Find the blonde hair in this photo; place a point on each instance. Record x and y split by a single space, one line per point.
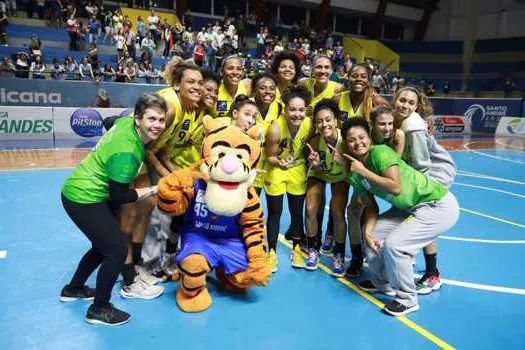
424 107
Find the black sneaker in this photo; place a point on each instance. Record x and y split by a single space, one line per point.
395 308
288 234
69 294
369 287
354 270
106 315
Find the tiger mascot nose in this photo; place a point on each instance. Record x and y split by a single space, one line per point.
230 164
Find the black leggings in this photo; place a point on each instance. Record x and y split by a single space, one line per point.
108 246
275 209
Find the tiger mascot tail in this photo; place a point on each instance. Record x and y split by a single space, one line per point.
223 223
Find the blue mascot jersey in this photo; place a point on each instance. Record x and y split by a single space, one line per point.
199 220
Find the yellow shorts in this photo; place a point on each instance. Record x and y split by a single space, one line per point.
292 181
329 179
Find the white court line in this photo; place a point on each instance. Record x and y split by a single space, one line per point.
3 254
491 156
509 146
486 287
488 177
490 189
476 240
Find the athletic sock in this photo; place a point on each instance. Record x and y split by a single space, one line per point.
128 272
137 253
339 248
312 242
357 252
430 265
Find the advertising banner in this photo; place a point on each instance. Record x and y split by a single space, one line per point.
26 123
449 125
511 127
63 93
81 123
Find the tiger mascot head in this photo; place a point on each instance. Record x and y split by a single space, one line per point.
230 157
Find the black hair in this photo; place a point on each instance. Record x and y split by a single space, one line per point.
327 104
260 76
354 122
209 75
149 100
286 55
296 91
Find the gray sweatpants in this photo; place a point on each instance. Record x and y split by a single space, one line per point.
402 234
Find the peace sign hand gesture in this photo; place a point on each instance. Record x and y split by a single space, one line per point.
336 155
313 157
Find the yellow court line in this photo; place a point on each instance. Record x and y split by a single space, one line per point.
422 331
493 217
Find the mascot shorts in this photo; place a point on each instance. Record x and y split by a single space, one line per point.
228 253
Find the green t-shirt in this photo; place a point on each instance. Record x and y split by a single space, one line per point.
416 187
117 156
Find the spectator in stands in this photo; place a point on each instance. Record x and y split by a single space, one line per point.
117 22
102 99
4 22
34 45
141 29
3 7
188 36
97 71
120 75
261 40
22 65
95 28
124 60
108 27
108 72
72 29
141 74
153 21
339 75
446 88
93 54
38 68
377 81
168 39
30 8
41 8
144 59
210 56
120 43
56 70
509 87
91 10
431 89
82 35
176 50
126 24
148 45
348 62
339 56
71 69
7 69
11 7
131 72
85 69
152 74
130 43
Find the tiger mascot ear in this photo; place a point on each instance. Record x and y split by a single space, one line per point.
256 132
211 124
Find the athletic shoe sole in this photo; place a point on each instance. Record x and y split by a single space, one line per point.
398 314
327 252
128 295
311 268
71 299
94 321
338 275
376 290
426 290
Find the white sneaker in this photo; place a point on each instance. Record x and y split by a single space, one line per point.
146 277
139 289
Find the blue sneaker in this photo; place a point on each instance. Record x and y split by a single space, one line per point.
327 248
313 260
338 265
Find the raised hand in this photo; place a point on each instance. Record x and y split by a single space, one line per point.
336 155
313 157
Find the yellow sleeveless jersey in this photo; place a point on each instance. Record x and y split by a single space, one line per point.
328 92
347 111
181 142
330 171
274 111
173 101
225 100
289 146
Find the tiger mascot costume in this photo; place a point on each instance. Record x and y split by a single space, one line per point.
223 223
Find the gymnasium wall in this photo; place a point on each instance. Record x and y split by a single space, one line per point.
497 19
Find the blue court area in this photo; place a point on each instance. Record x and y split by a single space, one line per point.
480 306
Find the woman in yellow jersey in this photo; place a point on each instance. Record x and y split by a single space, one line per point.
358 101
326 168
211 83
264 88
232 85
287 171
320 86
286 67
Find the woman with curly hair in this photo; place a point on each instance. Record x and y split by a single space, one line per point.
286 67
